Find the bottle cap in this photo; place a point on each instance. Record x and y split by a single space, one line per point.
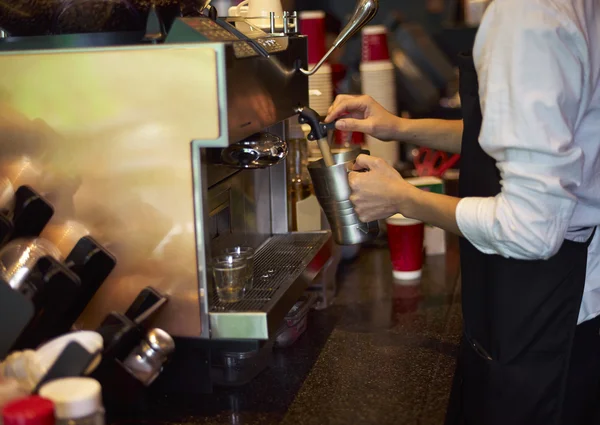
33 410
74 397
161 342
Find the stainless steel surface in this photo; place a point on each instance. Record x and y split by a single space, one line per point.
278 283
146 361
279 191
260 91
7 196
161 343
260 150
18 257
202 4
363 14
333 192
289 21
144 178
94 126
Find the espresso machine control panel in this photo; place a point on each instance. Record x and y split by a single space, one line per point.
247 41
209 29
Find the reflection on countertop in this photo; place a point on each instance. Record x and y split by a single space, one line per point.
384 353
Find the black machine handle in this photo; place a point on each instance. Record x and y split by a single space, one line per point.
318 129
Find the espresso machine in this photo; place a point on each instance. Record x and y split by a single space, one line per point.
167 145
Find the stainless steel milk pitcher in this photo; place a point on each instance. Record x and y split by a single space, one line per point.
333 192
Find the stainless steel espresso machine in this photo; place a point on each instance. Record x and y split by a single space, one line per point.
167 147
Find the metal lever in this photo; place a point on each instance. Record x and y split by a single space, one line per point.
363 14
318 129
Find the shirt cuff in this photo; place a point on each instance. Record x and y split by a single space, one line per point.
475 219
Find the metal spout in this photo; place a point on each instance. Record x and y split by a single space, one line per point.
260 150
363 14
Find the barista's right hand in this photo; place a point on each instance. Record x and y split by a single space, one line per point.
362 114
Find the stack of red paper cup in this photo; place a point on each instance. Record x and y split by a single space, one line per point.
378 80
320 85
348 139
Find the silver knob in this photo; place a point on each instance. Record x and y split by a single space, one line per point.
160 342
146 361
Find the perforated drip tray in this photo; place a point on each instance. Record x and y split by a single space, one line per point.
278 268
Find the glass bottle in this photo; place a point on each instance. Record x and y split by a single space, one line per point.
77 401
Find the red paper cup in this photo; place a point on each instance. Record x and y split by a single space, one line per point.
375 44
312 25
405 238
338 73
348 138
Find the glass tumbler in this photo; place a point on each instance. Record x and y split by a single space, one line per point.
230 275
247 253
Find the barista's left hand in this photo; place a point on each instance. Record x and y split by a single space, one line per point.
379 192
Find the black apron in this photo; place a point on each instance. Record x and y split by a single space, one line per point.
520 317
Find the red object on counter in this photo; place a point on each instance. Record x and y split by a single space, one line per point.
348 138
338 73
322 257
312 25
405 239
33 410
407 298
375 44
429 162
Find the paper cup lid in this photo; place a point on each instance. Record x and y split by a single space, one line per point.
400 220
312 14
374 30
74 397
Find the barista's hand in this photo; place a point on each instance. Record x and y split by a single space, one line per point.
363 115
379 192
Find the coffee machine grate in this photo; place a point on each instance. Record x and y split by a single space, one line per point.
277 265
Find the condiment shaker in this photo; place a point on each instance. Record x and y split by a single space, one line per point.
146 361
77 401
32 410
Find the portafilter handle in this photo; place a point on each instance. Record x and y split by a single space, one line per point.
363 14
318 129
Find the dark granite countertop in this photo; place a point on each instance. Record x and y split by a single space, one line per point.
384 353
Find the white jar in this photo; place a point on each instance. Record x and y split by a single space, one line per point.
77 401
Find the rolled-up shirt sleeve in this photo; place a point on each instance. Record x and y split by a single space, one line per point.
531 77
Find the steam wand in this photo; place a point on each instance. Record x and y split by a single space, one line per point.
318 132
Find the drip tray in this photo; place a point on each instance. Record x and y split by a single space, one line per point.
280 278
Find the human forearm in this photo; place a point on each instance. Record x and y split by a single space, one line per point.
362 114
442 135
431 208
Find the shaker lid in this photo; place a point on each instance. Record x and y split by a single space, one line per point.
32 410
74 397
160 341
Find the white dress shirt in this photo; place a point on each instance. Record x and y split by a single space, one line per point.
538 64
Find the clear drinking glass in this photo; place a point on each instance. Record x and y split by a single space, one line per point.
231 274
247 253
